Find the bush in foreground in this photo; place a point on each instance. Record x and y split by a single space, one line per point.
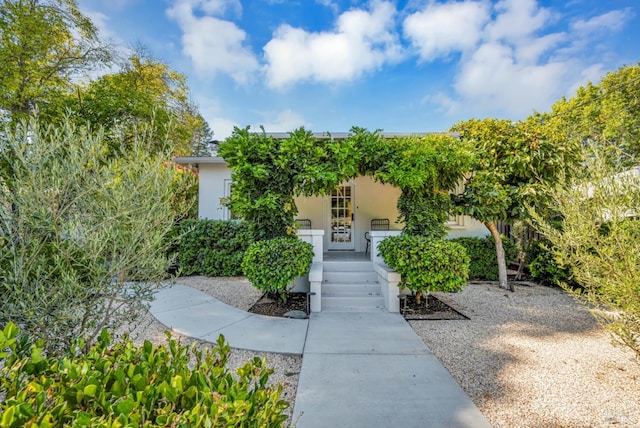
78 223
426 264
599 238
272 265
122 385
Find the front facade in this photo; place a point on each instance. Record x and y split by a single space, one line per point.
344 216
344 228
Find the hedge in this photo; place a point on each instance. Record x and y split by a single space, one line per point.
482 253
212 247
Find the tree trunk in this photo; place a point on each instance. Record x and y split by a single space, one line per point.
521 263
502 264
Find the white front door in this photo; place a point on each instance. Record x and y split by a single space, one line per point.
341 233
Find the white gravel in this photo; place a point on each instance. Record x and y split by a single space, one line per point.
533 358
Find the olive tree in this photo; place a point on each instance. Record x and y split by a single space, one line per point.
599 238
83 237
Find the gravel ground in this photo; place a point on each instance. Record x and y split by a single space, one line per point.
533 358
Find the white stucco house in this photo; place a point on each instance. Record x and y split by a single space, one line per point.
339 226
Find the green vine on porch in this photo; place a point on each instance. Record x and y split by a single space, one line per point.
268 173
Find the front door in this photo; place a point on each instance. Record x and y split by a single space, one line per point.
342 233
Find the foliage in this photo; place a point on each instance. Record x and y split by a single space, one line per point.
146 92
426 264
212 247
606 113
124 385
184 191
425 168
424 213
271 265
268 172
543 266
600 238
482 256
75 226
512 161
43 45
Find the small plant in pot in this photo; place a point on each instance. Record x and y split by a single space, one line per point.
426 264
272 265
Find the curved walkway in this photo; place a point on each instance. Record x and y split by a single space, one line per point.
195 314
366 369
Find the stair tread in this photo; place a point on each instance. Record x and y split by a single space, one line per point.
350 294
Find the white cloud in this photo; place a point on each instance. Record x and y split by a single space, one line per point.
517 20
222 127
361 41
282 121
613 20
442 28
330 4
508 64
493 80
214 45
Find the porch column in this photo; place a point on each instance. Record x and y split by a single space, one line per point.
376 237
314 237
313 281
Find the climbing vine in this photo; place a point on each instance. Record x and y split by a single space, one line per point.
269 172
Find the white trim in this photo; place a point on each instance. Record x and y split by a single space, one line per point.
226 212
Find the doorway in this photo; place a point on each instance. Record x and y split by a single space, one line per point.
342 233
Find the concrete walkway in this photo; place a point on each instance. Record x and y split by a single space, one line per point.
365 369
195 314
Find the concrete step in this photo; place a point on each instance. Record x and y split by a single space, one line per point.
351 309
349 277
352 266
355 304
335 288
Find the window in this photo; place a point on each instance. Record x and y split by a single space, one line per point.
227 214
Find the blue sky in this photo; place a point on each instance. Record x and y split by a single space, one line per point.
399 66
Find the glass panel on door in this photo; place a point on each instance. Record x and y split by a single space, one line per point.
341 236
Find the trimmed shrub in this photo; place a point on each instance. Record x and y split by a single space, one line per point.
426 264
543 266
124 385
482 254
212 247
272 265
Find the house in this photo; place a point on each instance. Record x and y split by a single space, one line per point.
344 221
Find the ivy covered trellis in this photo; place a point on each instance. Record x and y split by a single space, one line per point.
268 173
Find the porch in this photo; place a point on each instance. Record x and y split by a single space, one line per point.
349 281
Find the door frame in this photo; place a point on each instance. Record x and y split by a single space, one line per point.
341 227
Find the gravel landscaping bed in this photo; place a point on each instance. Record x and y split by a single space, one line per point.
533 358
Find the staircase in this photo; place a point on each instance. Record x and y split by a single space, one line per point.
350 286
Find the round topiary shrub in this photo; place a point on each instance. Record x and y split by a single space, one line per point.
273 264
426 264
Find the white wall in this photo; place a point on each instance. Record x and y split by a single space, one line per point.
211 190
469 227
